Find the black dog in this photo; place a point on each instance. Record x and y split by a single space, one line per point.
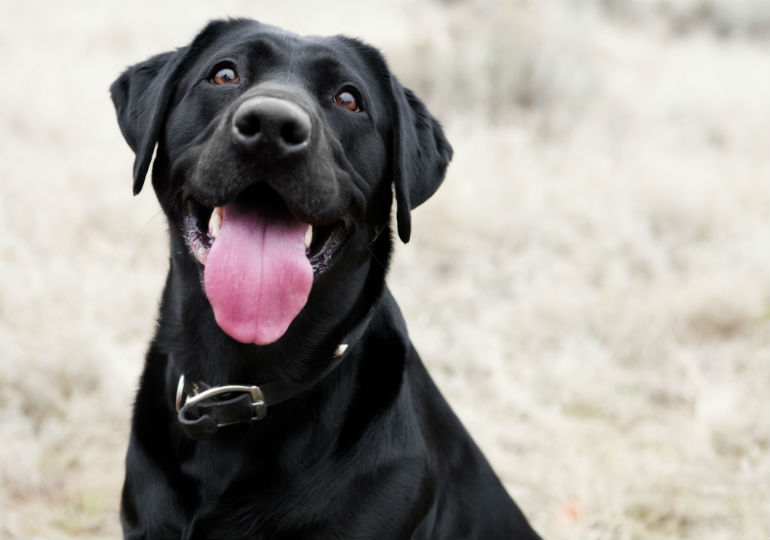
264 140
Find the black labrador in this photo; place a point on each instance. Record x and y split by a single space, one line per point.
281 396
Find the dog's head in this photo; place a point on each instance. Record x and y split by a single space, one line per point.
277 156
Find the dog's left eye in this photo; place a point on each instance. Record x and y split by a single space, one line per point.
225 75
347 98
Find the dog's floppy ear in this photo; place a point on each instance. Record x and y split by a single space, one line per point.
421 154
141 96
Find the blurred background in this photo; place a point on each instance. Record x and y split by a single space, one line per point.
590 288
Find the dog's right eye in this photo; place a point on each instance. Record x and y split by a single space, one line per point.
346 98
225 75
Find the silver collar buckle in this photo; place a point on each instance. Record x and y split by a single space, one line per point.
184 401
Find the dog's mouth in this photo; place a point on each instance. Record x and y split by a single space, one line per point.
202 225
258 262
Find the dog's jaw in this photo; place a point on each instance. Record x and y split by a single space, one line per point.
257 262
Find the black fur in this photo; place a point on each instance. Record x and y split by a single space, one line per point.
372 450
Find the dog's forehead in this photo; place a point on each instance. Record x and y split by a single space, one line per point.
271 46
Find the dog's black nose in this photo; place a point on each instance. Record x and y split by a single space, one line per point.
267 123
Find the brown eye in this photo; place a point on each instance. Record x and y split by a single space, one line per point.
225 76
346 99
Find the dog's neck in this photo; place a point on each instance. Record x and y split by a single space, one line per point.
298 428
204 409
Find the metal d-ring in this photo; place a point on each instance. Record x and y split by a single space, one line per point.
180 393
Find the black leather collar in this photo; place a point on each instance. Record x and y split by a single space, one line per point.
203 409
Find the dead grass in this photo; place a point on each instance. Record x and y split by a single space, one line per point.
589 288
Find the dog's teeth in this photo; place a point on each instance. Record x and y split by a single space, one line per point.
309 236
215 222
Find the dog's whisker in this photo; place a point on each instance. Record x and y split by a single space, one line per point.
143 229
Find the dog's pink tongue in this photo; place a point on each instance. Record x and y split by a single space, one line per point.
257 276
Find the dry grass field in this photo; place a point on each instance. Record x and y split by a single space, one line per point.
590 288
